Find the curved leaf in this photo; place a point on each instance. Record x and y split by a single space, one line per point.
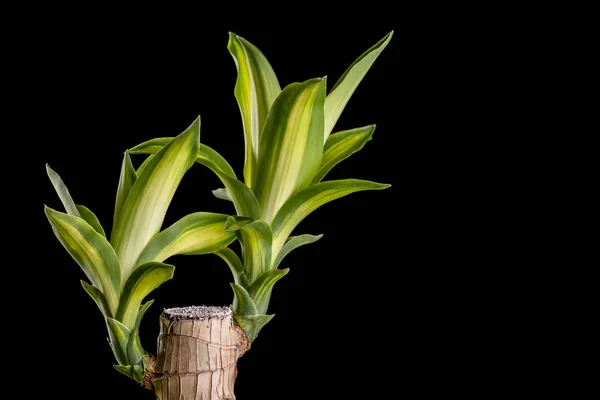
126 180
242 303
255 90
293 243
119 336
235 265
256 238
198 233
344 88
98 297
252 324
142 281
308 200
92 252
62 191
144 164
214 157
89 217
126 370
141 313
342 145
291 145
154 145
144 209
134 347
261 289
242 196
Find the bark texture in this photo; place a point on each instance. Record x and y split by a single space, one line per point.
197 359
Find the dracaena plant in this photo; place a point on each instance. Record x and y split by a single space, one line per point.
289 149
122 271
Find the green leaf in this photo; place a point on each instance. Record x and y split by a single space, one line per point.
144 164
97 295
252 324
242 303
134 347
119 336
92 252
291 145
138 373
126 370
342 145
242 196
154 145
144 209
135 372
293 243
300 205
235 265
141 313
144 280
255 91
211 155
256 238
344 88
261 289
197 233
89 217
222 194
62 191
126 181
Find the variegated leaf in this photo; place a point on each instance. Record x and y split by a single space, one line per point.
306 201
291 145
255 90
144 210
344 88
92 252
197 233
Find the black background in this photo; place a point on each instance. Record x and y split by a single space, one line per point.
376 287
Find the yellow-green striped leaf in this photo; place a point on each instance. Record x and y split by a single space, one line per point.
197 233
92 252
342 145
255 90
89 217
235 265
293 243
70 206
260 290
242 196
252 324
126 180
256 239
142 281
242 303
344 88
144 209
154 145
119 336
62 191
97 295
308 200
291 145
